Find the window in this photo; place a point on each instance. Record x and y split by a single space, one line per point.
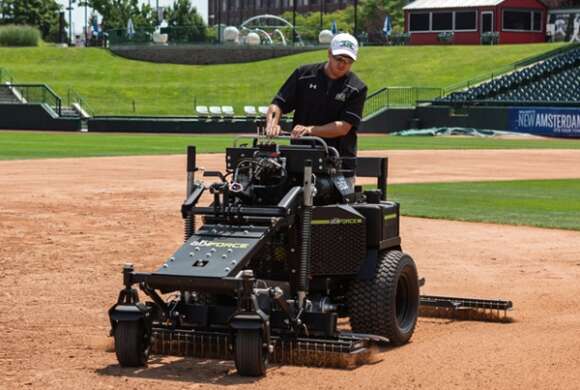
537 21
442 21
419 22
522 20
465 20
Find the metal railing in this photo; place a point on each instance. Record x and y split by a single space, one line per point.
375 102
398 97
507 68
74 97
36 93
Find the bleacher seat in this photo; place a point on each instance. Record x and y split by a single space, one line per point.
263 110
215 112
250 111
228 112
202 111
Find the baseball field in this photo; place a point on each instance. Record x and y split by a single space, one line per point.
490 218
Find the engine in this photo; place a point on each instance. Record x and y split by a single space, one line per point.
264 174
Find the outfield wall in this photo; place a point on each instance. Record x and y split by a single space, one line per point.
34 117
561 122
167 125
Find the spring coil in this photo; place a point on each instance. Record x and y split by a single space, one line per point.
189 226
304 269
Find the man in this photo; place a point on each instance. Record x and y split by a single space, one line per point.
327 100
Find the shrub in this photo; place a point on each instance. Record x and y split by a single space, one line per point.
13 35
445 37
490 38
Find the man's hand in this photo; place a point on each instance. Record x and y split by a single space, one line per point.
299 131
273 130
272 121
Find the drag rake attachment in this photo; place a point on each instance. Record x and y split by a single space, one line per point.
344 353
348 352
467 309
204 345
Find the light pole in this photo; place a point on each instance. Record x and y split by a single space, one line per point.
219 20
69 9
294 22
86 23
355 21
321 13
227 12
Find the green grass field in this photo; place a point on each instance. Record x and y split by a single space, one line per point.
111 84
541 203
29 145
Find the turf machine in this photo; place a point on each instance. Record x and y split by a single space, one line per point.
287 251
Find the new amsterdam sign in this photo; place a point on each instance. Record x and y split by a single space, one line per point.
552 122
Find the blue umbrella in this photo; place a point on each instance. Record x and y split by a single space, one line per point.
333 27
387 26
96 29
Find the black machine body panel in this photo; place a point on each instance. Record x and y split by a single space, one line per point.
382 222
214 252
338 240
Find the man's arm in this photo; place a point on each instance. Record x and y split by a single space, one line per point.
283 102
273 120
329 130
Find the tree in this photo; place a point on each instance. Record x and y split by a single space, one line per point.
308 25
39 13
372 17
116 14
186 24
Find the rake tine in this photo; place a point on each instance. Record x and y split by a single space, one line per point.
465 308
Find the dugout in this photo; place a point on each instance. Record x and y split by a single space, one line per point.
432 22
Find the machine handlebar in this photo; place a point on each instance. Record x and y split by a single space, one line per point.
305 138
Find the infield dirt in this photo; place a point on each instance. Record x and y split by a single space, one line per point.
67 226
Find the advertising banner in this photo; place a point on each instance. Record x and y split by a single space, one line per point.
550 122
564 25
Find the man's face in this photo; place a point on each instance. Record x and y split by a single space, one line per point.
339 65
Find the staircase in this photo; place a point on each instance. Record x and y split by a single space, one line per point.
7 96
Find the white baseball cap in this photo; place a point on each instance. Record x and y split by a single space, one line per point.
344 44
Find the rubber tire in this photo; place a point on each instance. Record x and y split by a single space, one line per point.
131 344
388 304
250 357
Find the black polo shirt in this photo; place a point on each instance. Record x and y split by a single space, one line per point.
316 100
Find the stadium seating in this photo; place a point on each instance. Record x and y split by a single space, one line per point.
228 112
202 111
215 112
250 112
556 79
263 110
7 95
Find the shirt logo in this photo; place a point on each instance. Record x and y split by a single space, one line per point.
341 97
312 86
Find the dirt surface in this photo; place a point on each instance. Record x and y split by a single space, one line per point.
67 226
